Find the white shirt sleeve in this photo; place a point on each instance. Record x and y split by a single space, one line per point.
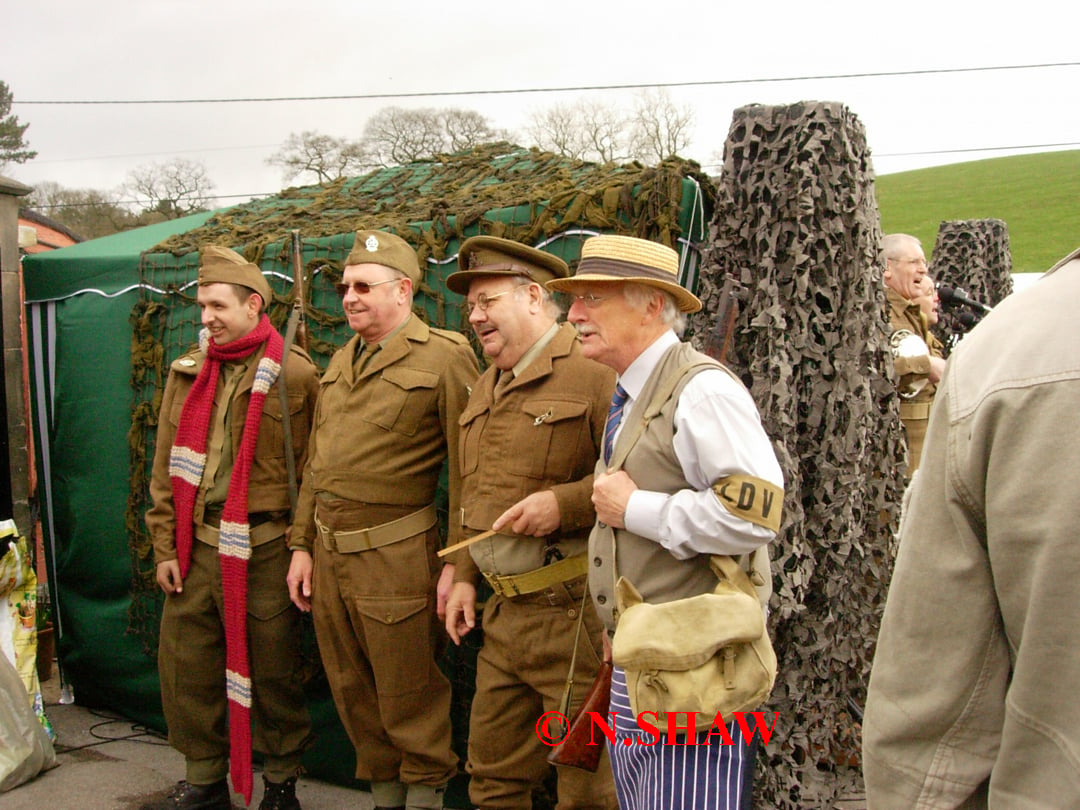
718 433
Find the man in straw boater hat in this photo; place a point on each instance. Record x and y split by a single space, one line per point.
229 642
530 438
366 536
657 493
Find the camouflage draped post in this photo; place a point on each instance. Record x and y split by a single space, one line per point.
972 255
797 224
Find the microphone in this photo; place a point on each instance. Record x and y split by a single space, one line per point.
948 295
968 319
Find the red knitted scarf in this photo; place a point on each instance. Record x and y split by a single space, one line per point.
186 465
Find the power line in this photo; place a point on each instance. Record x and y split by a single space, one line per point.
978 149
951 151
578 89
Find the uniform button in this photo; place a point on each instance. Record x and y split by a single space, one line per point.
601 599
389 618
601 524
597 562
572 613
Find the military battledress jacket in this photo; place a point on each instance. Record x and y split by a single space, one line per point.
268 488
543 432
973 692
381 437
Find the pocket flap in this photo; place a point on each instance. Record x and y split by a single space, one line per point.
554 410
409 378
391 609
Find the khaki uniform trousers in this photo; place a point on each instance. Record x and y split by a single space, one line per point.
191 664
520 674
379 638
915 416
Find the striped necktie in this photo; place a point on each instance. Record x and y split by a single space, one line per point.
614 417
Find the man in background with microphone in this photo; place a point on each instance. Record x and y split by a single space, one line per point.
918 366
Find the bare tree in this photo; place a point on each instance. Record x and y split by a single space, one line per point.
395 136
556 129
660 128
88 212
173 189
583 130
464 129
324 157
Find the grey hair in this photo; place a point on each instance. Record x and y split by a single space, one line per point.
892 244
550 304
639 295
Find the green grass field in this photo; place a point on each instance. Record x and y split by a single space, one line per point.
1037 196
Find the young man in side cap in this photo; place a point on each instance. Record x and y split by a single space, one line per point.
365 538
661 502
229 642
530 437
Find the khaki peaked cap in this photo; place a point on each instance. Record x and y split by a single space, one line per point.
610 259
494 256
219 265
380 247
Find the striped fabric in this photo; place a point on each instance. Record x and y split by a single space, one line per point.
659 776
614 417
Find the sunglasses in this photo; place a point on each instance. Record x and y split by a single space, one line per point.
360 287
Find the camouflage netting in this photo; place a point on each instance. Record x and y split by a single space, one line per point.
796 223
502 190
972 255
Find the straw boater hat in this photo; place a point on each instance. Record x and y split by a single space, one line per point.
492 256
380 247
617 259
219 265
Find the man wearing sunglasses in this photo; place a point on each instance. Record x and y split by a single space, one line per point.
530 437
365 538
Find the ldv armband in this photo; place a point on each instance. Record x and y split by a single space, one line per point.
752 499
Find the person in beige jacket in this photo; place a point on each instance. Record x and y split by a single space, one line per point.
530 437
365 537
973 693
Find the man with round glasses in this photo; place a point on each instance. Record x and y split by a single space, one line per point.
365 537
530 437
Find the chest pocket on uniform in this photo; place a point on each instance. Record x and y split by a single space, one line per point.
549 443
472 421
402 399
271 443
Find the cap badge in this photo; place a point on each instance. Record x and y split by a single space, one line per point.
372 244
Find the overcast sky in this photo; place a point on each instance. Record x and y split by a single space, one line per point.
123 50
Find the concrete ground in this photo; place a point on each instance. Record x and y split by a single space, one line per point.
108 763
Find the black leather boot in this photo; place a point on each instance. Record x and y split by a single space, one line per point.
186 796
279 795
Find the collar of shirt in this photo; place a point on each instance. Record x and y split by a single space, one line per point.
534 351
638 372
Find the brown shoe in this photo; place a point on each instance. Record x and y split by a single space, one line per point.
186 796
